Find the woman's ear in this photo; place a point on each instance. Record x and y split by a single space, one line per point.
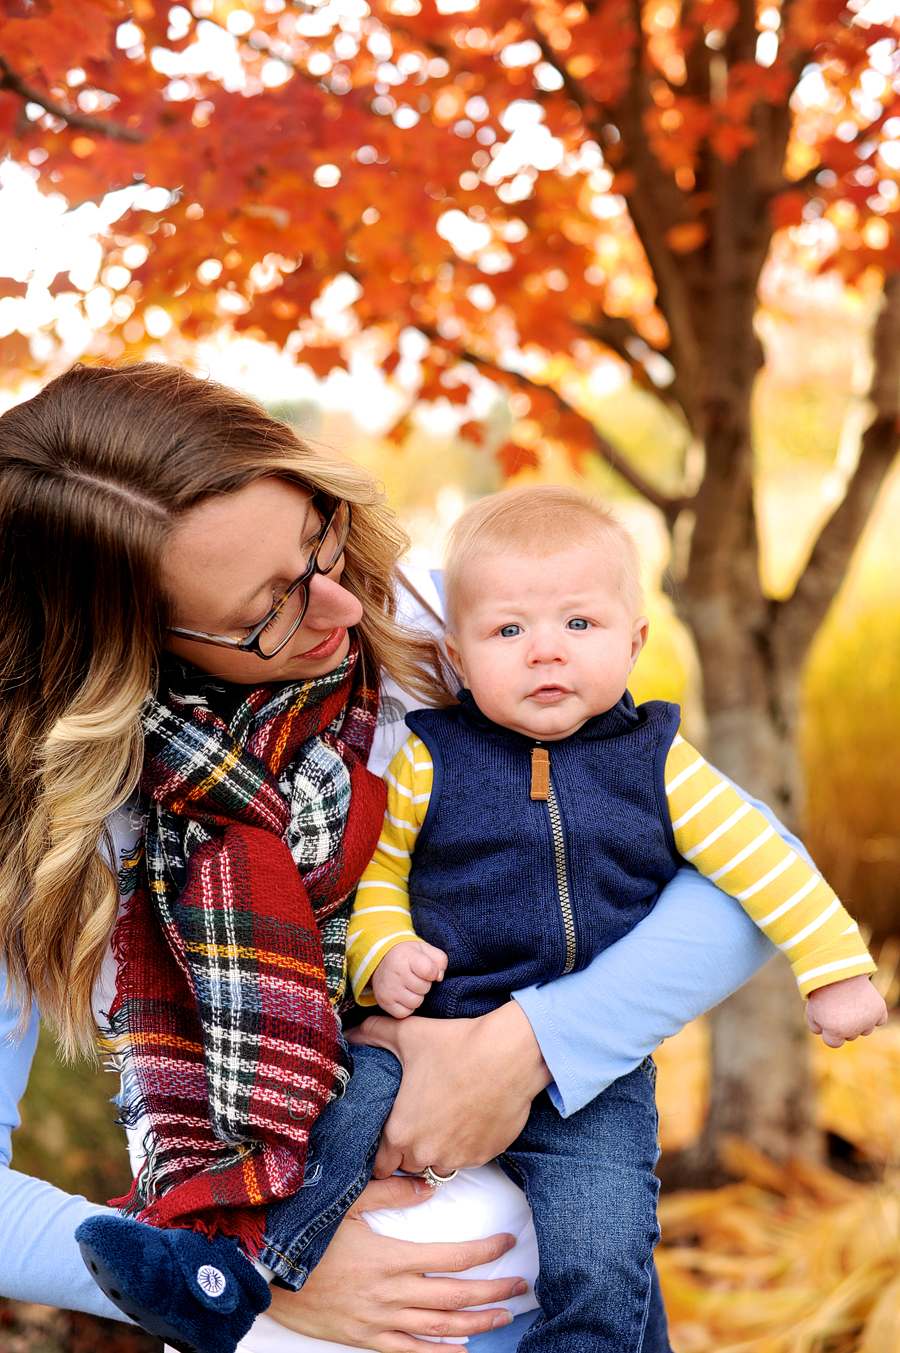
455 656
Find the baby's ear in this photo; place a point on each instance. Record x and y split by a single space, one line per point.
455 656
639 632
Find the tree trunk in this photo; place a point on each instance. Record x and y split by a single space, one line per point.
752 652
760 1073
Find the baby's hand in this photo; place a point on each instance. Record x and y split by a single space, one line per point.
405 974
844 1010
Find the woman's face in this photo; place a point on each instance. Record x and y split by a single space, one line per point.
226 564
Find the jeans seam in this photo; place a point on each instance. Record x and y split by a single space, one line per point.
338 1209
269 1250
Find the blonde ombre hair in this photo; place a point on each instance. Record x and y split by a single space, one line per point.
534 522
94 472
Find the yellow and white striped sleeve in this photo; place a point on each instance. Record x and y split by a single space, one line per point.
381 916
732 845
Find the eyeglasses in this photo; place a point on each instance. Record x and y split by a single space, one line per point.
280 624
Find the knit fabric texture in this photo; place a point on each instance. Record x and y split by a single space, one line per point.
262 816
489 865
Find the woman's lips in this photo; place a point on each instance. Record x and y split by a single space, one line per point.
325 648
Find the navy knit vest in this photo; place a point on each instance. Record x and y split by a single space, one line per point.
485 885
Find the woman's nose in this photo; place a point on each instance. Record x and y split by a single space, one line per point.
330 605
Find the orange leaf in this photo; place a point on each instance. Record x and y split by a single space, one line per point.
457 394
514 458
685 238
322 359
787 208
400 431
473 432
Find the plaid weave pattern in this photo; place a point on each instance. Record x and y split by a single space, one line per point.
258 831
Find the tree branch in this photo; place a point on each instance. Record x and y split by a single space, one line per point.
619 335
104 126
669 507
613 331
570 84
807 180
804 611
655 204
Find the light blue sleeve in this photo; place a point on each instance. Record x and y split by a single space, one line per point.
39 1260
695 948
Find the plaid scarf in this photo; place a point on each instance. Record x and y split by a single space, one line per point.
262 818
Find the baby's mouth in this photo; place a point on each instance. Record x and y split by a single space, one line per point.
549 694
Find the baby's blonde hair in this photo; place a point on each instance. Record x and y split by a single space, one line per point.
536 521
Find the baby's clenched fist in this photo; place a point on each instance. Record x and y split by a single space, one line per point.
405 974
844 1010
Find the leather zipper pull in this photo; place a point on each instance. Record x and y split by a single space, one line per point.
540 773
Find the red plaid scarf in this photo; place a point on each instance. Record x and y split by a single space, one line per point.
221 1007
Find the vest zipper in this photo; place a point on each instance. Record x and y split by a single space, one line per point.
562 877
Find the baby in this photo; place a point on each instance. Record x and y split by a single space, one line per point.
532 825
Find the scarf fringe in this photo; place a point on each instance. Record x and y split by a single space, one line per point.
131 1104
246 1225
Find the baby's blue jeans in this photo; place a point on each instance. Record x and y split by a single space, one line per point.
588 1178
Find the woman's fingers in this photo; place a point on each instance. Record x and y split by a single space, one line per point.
447 1295
442 1256
466 1091
389 1159
398 1191
443 1316
370 1291
420 1324
367 1329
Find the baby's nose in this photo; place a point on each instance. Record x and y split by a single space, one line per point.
546 648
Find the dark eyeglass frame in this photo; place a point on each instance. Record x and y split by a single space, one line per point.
250 643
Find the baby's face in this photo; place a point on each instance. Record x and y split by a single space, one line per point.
545 644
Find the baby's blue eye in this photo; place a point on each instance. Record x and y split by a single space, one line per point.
510 631
577 624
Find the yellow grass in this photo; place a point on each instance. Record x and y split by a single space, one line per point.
795 1259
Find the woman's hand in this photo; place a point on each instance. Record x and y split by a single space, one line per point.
466 1091
370 1292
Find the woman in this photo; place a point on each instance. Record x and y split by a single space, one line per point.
145 512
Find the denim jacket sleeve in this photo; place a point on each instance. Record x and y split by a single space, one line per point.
39 1260
695 948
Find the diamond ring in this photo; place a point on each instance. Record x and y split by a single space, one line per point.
436 1180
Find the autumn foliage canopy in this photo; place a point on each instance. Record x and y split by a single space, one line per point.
526 183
